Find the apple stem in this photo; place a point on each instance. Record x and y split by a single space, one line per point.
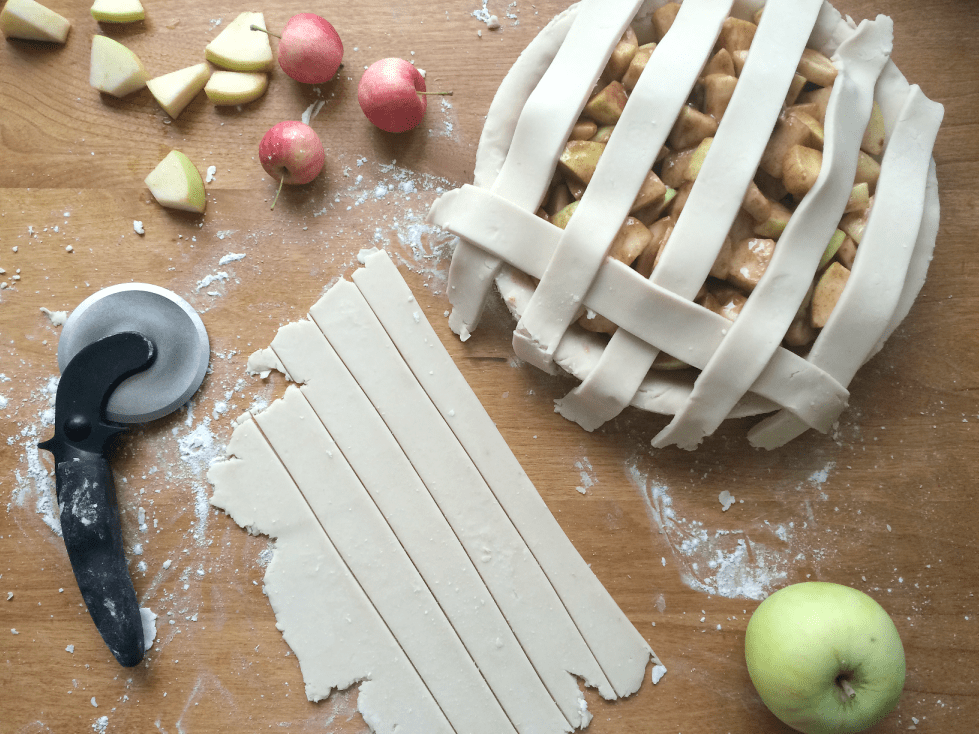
281 183
848 691
436 94
259 28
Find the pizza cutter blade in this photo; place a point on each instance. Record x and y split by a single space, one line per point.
128 354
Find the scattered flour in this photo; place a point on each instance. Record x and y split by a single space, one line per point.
726 499
213 278
231 257
724 563
586 472
199 450
57 318
100 724
212 171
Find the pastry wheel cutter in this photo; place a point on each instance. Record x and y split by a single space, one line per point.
128 354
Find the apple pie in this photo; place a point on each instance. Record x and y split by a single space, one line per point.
705 209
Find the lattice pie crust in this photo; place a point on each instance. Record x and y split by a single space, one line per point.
549 276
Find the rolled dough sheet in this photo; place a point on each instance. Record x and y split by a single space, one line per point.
396 564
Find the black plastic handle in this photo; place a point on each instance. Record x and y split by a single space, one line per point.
86 493
93 537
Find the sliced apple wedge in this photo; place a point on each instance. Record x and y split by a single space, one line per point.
118 11
239 48
236 87
177 184
175 90
31 21
115 69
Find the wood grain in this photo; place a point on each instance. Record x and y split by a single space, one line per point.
887 503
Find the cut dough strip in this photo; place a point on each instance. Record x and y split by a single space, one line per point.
765 318
628 157
622 295
713 204
382 567
550 112
316 609
619 648
876 282
367 444
535 612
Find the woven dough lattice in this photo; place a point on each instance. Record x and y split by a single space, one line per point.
549 276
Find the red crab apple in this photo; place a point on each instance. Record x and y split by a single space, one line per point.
310 49
292 153
392 95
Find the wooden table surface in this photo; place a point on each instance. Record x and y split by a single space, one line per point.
887 503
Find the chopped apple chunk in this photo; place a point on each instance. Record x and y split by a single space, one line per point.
749 260
663 19
800 169
580 158
31 21
827 294
584 130
691 127
636 66
725 301
873 136
720 63
718 90
606 107
737 34
622 55
817 68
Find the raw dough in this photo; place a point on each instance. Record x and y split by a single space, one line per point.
430 545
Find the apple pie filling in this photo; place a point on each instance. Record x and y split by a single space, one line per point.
787 171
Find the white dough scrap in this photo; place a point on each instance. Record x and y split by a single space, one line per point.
412 552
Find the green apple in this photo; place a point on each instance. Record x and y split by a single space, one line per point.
825 658
117 11
32 21
239 48
177 184
115 69
236 87
175 90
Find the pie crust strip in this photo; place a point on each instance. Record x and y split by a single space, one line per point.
382 567
538 138
619 648
873 292
628 157
712 206
769 311
534 610
622 295
421 528
255 489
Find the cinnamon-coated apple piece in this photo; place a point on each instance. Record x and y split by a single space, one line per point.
690 128
606 107
583 130
773 227
789 132
868 170
847 253
795 89
770 186
579 159
873 136
756 203
831 249
800 332
651 190
697 160
631 239
558 198
819 98
801 169
718 90
602 134
674 169
561 218
636 66
736 34
827 294
739 58
855 223
622 55
817 136
651 212
662 19
749 260
722 263
724 300
720 63
680 200
660 232
859 198
817 68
